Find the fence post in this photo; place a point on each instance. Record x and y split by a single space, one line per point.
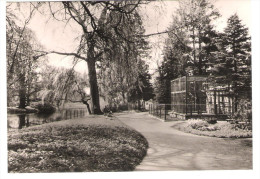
66 115
165 112
215 102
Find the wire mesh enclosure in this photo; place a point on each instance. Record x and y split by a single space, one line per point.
188 95
195 97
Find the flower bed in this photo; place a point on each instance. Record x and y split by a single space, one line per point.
220 129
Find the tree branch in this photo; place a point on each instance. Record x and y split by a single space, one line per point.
60 53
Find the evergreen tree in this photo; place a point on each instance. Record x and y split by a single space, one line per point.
238 47
231 66
195 20
143 89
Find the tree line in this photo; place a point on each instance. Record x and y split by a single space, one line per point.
112 44
195 47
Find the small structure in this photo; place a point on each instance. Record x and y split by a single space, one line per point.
191 97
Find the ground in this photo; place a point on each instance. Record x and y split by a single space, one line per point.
93 143
171 149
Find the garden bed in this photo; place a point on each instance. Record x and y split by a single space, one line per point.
221 129
93 144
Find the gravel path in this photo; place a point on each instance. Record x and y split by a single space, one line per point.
170 149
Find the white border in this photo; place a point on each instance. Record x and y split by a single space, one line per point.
172 174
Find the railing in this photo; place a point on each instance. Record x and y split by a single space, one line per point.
69 113
169 112
160 110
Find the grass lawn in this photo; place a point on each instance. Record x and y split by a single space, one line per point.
221 129
94 143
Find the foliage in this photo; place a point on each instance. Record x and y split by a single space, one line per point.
45 108
191 39
93 146
198 124
195 20
231 66
109 29
114 108
194 47
237 44
244 113
211 120
122 73
142 89
21 58
60 85
243 116
222 129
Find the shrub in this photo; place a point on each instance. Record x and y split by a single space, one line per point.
197 124
222 129
122 108
211 120
114 109
45 108
202 125
243 116
244 112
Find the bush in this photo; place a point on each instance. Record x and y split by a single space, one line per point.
202 125
244 112
45 108
197 124
211 120
114 109
222 129
243 117
122 108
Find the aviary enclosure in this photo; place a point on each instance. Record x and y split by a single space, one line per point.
194 97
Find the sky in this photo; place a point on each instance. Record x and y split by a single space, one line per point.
56 36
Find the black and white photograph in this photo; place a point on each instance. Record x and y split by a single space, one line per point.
129 86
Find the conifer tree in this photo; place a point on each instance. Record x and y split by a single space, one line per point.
232 63
237 45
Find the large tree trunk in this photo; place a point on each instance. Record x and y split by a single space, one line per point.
235 87
22 92
93 80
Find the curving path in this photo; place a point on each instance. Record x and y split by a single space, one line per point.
170 149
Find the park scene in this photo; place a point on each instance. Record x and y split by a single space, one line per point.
112 86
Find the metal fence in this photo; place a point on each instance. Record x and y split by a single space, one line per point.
162 111
70 113
171 112
159 110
